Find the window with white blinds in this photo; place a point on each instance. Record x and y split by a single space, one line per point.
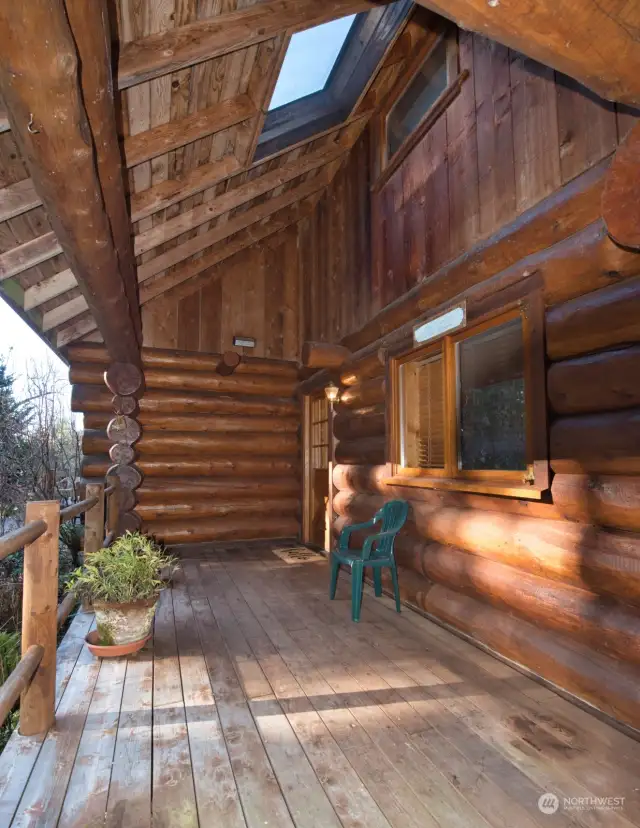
423 436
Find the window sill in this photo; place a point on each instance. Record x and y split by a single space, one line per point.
502 488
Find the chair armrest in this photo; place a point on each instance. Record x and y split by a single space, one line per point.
367 548
343 543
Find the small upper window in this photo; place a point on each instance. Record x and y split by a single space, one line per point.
424 90
468 410
310 57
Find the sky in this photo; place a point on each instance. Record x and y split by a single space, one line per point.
19 346
309 60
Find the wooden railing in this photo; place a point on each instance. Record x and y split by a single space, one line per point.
33 680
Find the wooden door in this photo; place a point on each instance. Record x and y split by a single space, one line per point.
317 465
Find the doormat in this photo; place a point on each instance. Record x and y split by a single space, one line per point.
297 554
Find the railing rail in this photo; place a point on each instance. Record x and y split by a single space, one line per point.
33 679
14 541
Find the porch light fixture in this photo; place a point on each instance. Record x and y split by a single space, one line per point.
332 393
244 342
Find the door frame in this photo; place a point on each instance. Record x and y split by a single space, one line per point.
307 471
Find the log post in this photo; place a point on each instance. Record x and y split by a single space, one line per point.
229 361
94 520
40 85
124 380
39 618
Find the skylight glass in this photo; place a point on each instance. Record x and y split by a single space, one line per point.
309 60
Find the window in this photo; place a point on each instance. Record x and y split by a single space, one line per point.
468 410
310 57
424 90
419 98
325 71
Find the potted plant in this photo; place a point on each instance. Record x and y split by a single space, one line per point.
123 583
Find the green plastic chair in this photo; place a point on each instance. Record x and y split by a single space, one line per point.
392 516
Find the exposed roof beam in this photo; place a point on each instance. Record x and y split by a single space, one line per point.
28 255
49 289
91 31
160 54
594 42
235 198
57 316
192 275
80 328
18 198
41 86
170 192
166 137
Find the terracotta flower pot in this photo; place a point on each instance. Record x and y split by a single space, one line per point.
119 624
114 651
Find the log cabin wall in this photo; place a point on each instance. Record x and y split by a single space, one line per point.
218 454
508 183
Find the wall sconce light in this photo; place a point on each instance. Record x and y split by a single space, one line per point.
244 342
332 393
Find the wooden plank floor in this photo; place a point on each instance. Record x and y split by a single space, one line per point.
261 704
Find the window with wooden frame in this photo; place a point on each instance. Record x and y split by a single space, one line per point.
468 410
432 81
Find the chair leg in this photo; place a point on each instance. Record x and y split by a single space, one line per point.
356 591
377 580
396 588
335 571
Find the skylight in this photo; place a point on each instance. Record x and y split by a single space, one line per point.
309 60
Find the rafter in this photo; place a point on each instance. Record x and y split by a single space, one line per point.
235 198
49 288
162 139
160 54
28 255
18 198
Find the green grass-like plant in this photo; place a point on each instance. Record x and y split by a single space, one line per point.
126 571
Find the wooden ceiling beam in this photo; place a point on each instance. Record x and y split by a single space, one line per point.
29 254
162 139
41 86
200 242
63 313
48 289
594 42
193 275
18 198
91 31
228 201
166 52
170 192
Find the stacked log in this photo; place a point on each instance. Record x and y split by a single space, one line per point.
218 454
553 584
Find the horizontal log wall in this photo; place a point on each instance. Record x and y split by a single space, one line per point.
483 202
219 455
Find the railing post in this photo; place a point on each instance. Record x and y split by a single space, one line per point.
94 520
39 618
113 515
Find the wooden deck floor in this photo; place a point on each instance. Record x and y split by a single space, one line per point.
261 704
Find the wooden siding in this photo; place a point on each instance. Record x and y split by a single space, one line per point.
515 135
256 293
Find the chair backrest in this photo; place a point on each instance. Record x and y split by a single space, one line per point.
393 516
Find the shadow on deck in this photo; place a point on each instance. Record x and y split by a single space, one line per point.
260 703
